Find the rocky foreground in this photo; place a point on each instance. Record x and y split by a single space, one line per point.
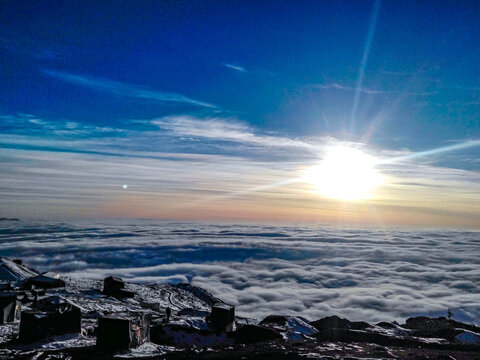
46 317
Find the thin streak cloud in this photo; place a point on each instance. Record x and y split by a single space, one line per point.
124 89
337 86
226 130
236 68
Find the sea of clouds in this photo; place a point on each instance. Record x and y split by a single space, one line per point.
363 274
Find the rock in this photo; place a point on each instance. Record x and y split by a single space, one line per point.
185 334
468 337
46 282
11 270
10 307
438 327
193 313
386 325
249 334
443 333
150 305
291 327
6 286
117 333
347 335
425 323
114 286
359 325
222 317
331 322
53 315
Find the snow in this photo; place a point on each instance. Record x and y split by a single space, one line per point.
11 271
468 337
87 295
147 350
292 327
185 336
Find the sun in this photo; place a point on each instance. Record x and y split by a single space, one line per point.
345 173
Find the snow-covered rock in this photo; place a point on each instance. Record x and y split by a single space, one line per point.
291 327
468 337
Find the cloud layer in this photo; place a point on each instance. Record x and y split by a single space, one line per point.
364 274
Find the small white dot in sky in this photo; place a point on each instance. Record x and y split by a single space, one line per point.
125 186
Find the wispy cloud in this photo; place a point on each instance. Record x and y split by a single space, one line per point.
225 167
337 86
365 90
237 68
31 125
228 130
124 89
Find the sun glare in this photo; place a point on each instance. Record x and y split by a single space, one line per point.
345 173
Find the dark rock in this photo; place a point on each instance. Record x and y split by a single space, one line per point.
359 325
6 286
10 307
46 282
122 293
53 316
150 305
112 283
346 335
116 333
426 323
386 325
331 322
185 334
434 324
114 286
222 317
193 312
249 334
444 333
279 320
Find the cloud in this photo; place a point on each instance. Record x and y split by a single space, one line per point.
223 129
237 68
209 168
124 89
337 86
369 274
31 125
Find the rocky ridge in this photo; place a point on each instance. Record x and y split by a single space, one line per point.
181 321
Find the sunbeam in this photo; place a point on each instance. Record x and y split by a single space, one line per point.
460 146
366 51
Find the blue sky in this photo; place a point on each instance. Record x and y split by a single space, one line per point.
270 82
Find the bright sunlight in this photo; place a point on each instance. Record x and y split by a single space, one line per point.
345 173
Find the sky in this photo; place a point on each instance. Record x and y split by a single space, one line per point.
216 110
